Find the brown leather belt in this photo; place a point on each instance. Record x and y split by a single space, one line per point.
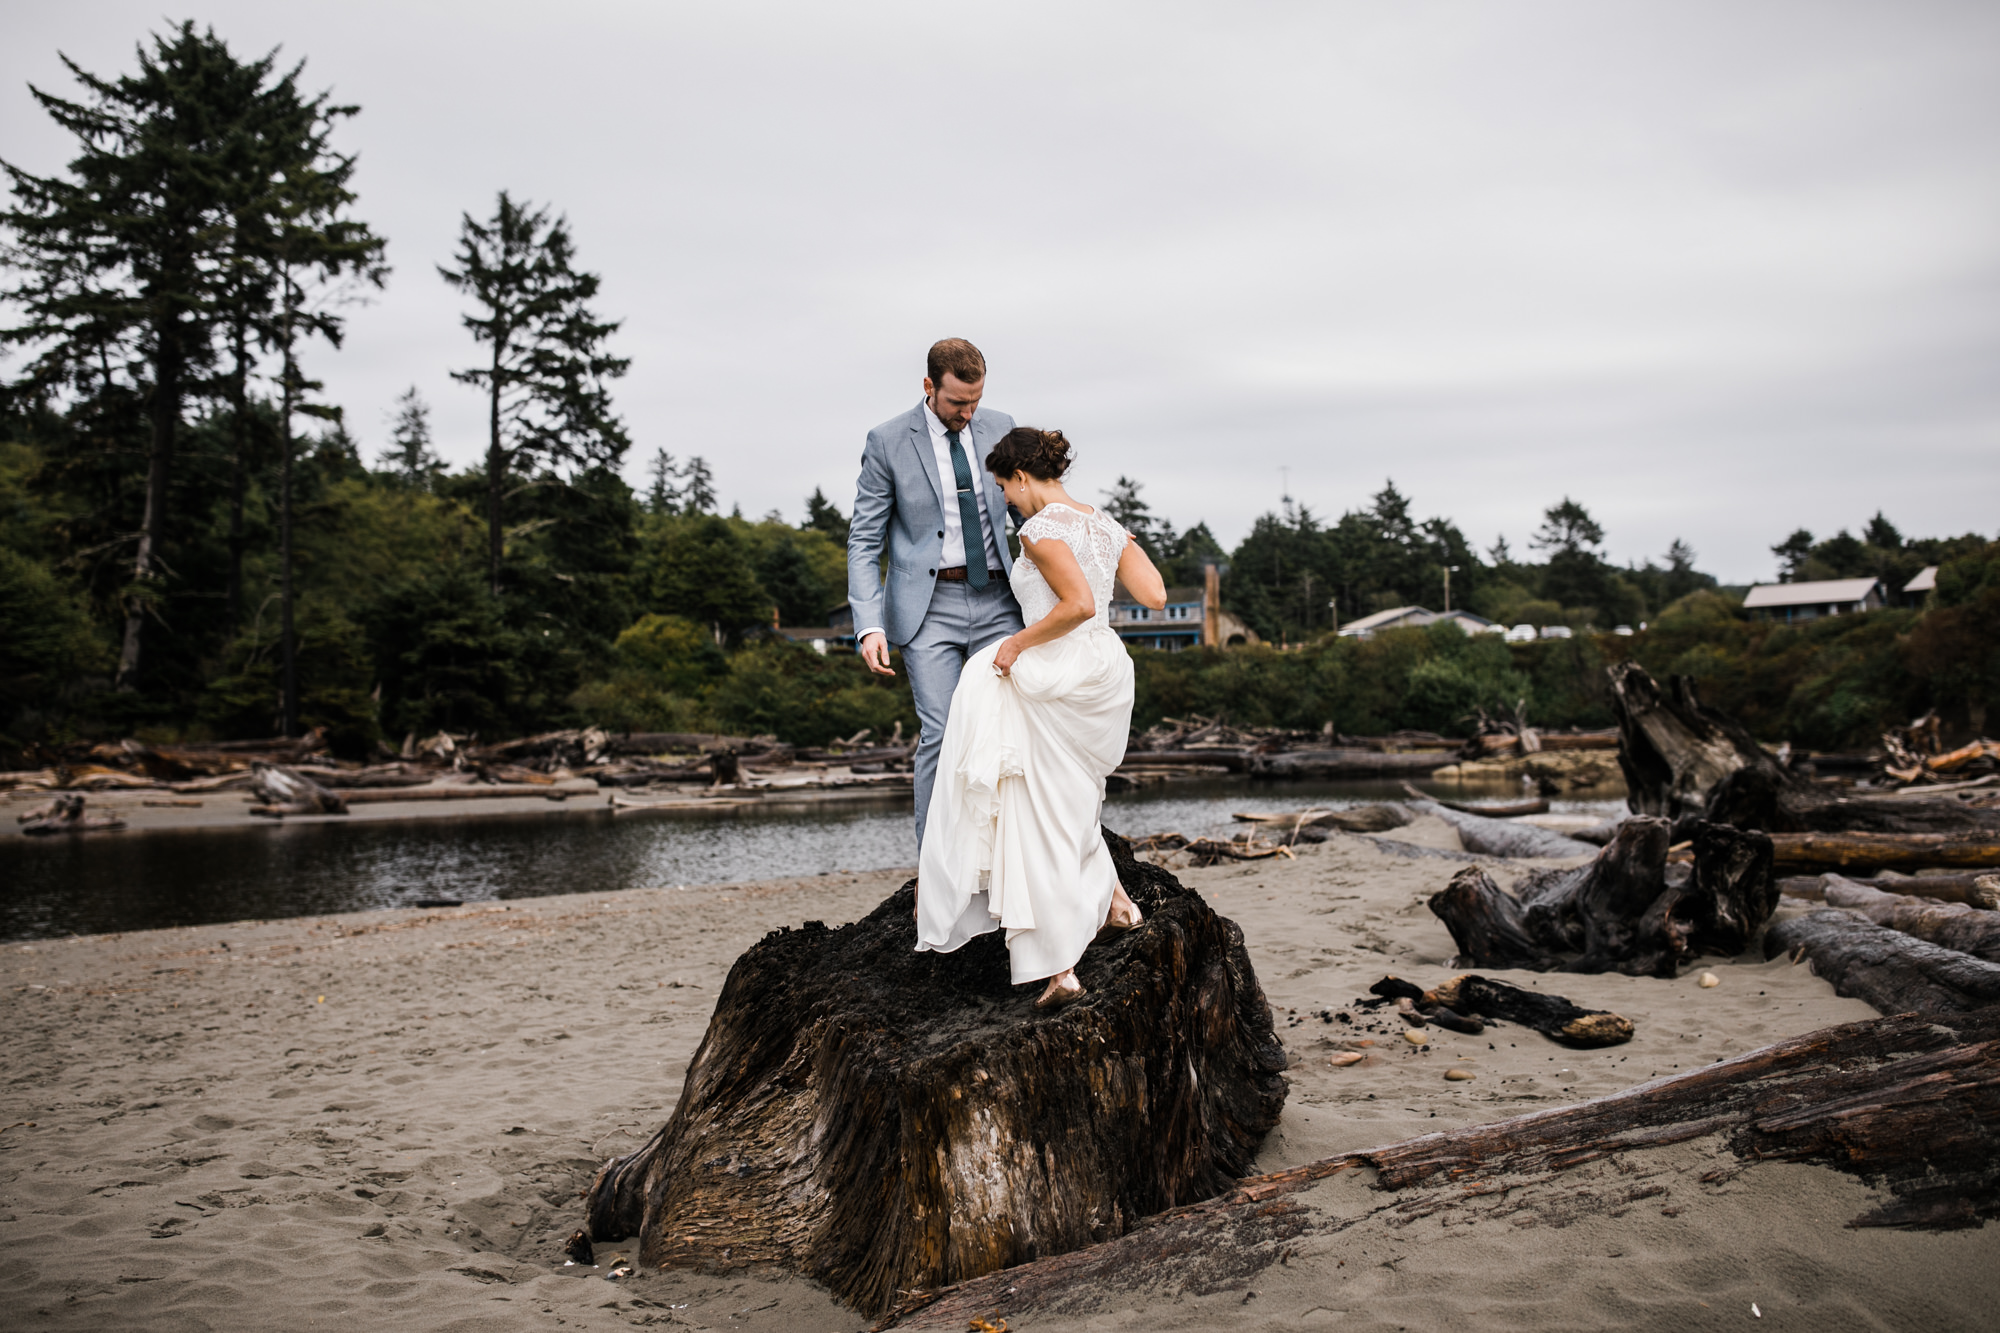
956 574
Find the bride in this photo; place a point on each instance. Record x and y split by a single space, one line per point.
1038 720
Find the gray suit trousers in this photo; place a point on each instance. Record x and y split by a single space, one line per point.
960 622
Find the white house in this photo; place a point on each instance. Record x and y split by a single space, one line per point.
1792 602
1396 617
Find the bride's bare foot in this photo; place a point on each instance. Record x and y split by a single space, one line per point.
1063 987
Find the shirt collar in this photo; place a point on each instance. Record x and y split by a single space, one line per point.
935 422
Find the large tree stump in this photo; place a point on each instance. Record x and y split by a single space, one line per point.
1620 912
1910 1105
879 1119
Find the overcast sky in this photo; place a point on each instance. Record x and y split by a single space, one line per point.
1717 270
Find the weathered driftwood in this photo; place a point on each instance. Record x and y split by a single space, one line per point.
1476 997
1502 810
1972 888
469 791
1359 819
65 814
1896 973
1969 930
1682 760
1345 763
1909 1105
1619 913
880 1119
1800 853
287 791
1499 837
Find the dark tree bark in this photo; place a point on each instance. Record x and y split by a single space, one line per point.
1907 1104
1896 973
1620 912
879 1119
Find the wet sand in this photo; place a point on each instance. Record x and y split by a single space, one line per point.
384 1119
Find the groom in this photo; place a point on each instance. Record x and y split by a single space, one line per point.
925 492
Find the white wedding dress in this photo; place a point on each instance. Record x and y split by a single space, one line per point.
1012 840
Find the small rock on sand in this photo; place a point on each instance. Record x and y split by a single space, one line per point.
1459 1075
1709 979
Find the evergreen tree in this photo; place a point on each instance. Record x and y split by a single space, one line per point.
120 259
409 455
547 367
697 495
663 496
315 250
1123 504
1792 553
822 515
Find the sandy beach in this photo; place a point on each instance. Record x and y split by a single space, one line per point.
385 1119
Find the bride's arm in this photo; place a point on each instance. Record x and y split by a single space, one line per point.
1075 605
1137 572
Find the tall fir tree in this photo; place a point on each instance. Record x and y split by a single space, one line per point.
547 370
409 457
120 260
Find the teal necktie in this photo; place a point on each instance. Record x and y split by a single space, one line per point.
968 515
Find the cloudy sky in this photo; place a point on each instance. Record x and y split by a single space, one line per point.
1716 270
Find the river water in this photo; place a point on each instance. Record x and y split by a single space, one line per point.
140 881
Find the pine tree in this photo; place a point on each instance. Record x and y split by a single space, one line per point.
823 515
121 259
663 496
409 454
546 370
697 487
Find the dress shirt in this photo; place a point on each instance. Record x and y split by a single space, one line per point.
954 552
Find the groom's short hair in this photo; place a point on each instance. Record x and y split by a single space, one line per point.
955 357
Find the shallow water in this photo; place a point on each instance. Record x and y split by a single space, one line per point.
88 885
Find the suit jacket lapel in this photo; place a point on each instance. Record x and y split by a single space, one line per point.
920 441
996 499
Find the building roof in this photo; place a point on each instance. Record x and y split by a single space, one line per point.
1925 581
1395 615
1808 594
1465 617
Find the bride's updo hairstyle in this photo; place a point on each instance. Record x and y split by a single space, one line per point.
1044 454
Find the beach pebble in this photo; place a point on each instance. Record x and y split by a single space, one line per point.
1416 1038
1709 979
1345 1058
1459 1075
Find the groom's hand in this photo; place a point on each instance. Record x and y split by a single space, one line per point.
875 652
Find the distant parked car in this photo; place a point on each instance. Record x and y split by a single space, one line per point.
1623 631
1556 632
1521 634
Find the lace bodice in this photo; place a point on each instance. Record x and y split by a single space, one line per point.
1097 543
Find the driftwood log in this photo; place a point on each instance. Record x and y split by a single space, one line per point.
1909 1105
1971 930
1896 973
1475 997
879 1119
287 791
1619 913
1500 837
1345 763
1800 853
65 814
1358 819
1972 888
1683 761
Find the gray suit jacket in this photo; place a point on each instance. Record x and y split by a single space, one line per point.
899 502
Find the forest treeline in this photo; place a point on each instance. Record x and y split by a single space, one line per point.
194 544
